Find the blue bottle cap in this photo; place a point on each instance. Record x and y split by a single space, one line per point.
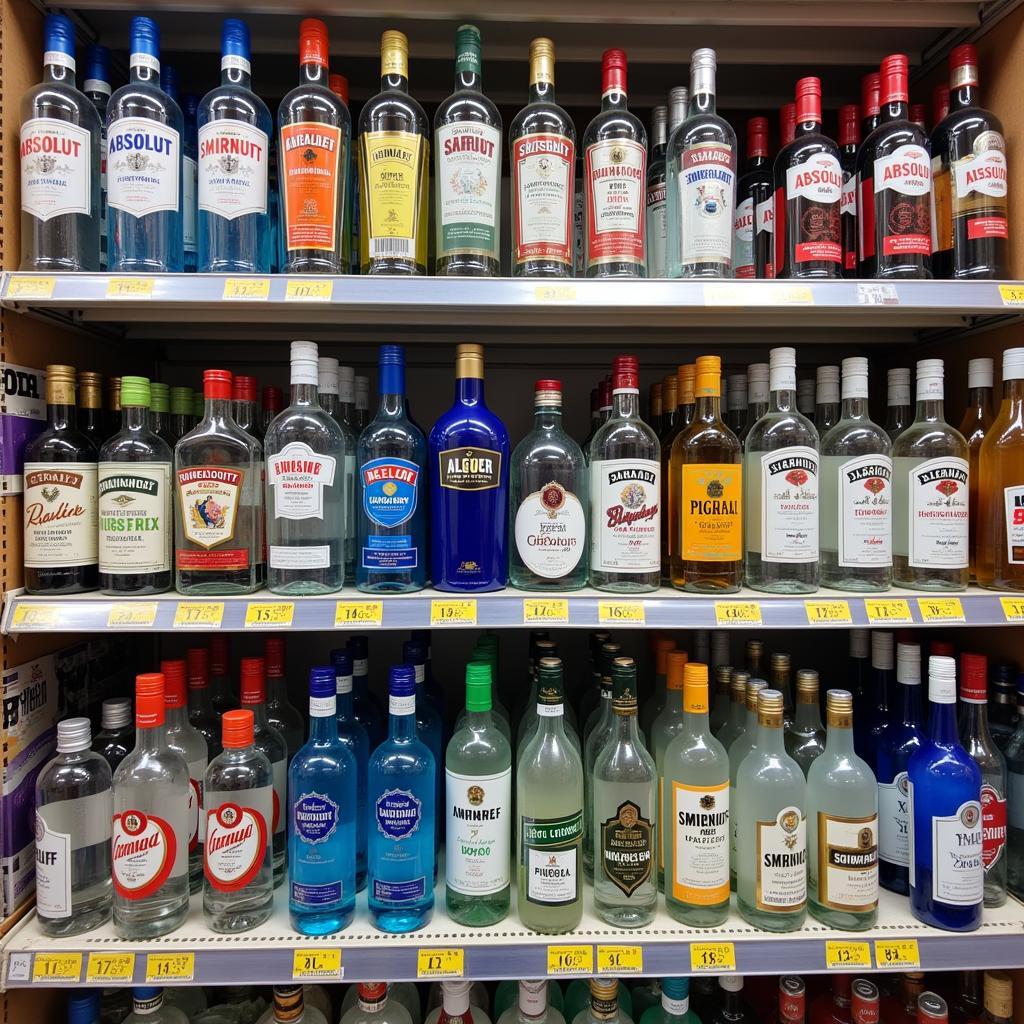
59 36
83 1007
169 81
97 67
392 355
145 37
414 652
234 39
321 681
342 661
402 681
676 988
359 647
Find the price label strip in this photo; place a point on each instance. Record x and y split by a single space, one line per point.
453 613
941 609
31 287
130 287
897 955
753 294
358 613
106 968
35 616
316 964
620 959
1012 294
440 963
844 955
50 968
831 613
553 610
170 967
253 289
131 613
712 956
269 614
1013 609
307 290
738 613
887 610
198 614
621 613
570 960
555 293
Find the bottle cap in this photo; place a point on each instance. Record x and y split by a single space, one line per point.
362 387
338 84
870 88
973 678
963 65
675 670
655 398
149 700
849 125
402 681
73 734
217 384
659 126
467 49
695 688
305 367
757 136
84 1007
97 69
864 1001
881 649
686 381
548 393
469 361
159 397
894 79
839 709
676 988
738 686
941 680
388 355
980 373
1013 363
807 686
542 61
624 686
236 729
59 41
116 713
855 377
707 381
931 1007
197 660
174 682
613 71
478 686
327 375
754 687
273 655
908 664
827 385
859 641
455 998
662 646
670 391
181 401
703 64
273 400
737 391
254 686
244 388
144 34
769 708
626 374
323 684
787 123
929 379
314 47
783 356
731 982
808 100
792 998
235 50
678 99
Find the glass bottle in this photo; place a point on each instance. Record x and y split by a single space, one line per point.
113 424
1014 753
1002 703
930 494
684 379
96 85
375 1004
736 722
160 413
652 707
533 1005
673 1006
429 724
719 698
604 1006
898 414
353 735
998 989
90 419
736 413
201 712
600 726
459 1003
757 396
793 1000
753 246
271 403
181 412
149 1007
281 713
365 706
289 1007
744 743
362 404
826 398
732 1008
116 737
975 425
669 723
805 738
223 695
849 144
882 677
654 205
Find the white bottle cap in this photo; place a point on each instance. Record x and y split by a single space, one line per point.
929 380
116 713
1013 364
73 734
328 372
805 396
757 382
827 390
738 391
362 392
941 679
859 643
731 982
979 372
782 370
908 664
305 366
783 356
855 377
881 649
899 386
455 997
346 385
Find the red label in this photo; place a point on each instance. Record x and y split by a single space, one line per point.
143 848
850 260
906 245
831 251
747 270
195 808
212 560
542 193
993 825
987 227
236 844
616 172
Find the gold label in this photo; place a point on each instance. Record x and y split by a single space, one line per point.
393 180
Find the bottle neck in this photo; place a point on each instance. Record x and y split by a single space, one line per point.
60 74
614 99
469 390
782 400
979 401
807 717
702 101
966 95
304 393
199 697
143 73
547 417
478 721
855 408
697 723
839 740
707 408
135 418
625 404
811 127
626 728
175 718
942 726
770 739
277 691
1013 396
394 83
894 110
153 737
236 76
542 92
974 720
468 81
259 712
552 723
60 417
910 703
738 714
929 410
313 73
218 409
402 727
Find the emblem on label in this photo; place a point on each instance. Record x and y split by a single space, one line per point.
236 844
315 817
627 847
398 813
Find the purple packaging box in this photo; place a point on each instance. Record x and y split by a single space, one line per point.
22 417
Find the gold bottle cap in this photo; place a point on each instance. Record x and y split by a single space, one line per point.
708 381
755 648
288 1004
90 390
670 392
469 361
676 670
685 376
754 687
839 709
780 662
738 686
807 686
999 994
769 709
695 688
114 393
654 399
394 54
60 384
542 62
723 676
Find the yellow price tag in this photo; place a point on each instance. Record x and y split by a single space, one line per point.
712 956
737 613
844 955
1011 294
31 287
1013 608
105 968
887 609
251 288
545 609
130 287
453 612
620 959
51 967
358 613
132 613
897 954
793 295
555 293
275 614
35 616
316 963
309 289
621 613
197 614
940 609
831 612
440 963
570 959
170 967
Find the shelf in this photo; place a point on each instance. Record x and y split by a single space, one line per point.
582 609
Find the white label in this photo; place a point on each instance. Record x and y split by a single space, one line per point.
700 843
60 514
1013 500
551 531
781 878
233 162
188 218
893 821
280 772
983 173
550 710
675 1007
299 476
552 875
477 847
819 178
657 230
865 511
789 505
236 837
542 169
305 556
938 513
625 509
196 817
323 707
468 172
143 166
743 239
53 870
56 168
906 171
707 196
958 875
402 705
848 862
146 849
615 190
848 199
135 525
765 215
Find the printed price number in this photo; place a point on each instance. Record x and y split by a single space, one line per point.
875 294
51 967
309 291
35 616
104 968
453 613
440 963
358 613
130 287
247 288
611 613
555 293
887 609
847 954
31 287
132 614
712 956
570 959
899 954
170 967
1012 294
316 963
1013 609
833 612
192 614
620 959
737 613
545 609
940 609
269 613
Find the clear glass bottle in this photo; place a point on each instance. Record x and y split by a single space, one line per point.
974 426
736 722
96 85
1015 802
289 1006
375 1005
116 737
281 713
805 738
898 414
604 1006
757 396
365 705
532 1005
827 406
149 1006
200 708
930 494
669 723
780 490
753 244
600 728
460 1004
744 743
652 707
654 203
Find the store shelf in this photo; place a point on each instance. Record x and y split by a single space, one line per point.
582 609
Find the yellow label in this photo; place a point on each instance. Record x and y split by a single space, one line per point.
277 614
545 609
450 612
1013 608
393 196
757 294
887 609
897 954
844 955
737 613
620 959
710 512
130 287
570 959
35 616
131 613
1011 294
105 968
50 967
832 612
316 963
31 287
712 956
940 609
252 288
170 967
610 613
697 846
440 963
193 614
308 289
555 293
358 613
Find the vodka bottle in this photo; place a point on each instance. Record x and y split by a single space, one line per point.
734 725
805 738
375 1005
290 1007
459 1004
744 743
222 689
674 1005
532 1005
149 1006
604 1006
601 727
670 722
899 414
116 737
354 736
365 706
281 713
96 86
200 708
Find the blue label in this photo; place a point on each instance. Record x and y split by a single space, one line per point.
398 813
315 817
395 551
315 895
390 490
399 892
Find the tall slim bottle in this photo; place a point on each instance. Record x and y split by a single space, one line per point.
738 750
805 737
974 426
353 735
654 203
849 143
753 253
898 412
669 723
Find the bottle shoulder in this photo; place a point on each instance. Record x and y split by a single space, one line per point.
209 442
228 102
470 105
383 432
60 102
309 102
886 139
136 446
63 778
395 757
778 430
143 768
478 747
461 422
856 437
69 445
141 99
392 110
636 437
322 759
308 425
542 118
802 149
928 441
541 446
613 124
955 136
234 770
698 130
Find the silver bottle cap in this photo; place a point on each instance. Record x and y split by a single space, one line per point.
659 121
73 734
702 72
678 99
117 713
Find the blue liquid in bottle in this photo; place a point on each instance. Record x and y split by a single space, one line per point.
365 707
353 735
429 726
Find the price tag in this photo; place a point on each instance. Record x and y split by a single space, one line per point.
545 609
940 609
309 289
555 293
358 613
453 612
440 963
621 613
35 616
832 612
273 614
1013 608
757 294
251 288
712 956
897 954
170 967
570 959
620 959
131 613
1012 294
105 968
198 614
130 287
737 613
844 955
887 609
316 963
31 287
875 293
51 967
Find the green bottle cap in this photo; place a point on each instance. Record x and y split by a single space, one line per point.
467 49
135 391
160 396
478 686
198 405
488 640
624 686
181 401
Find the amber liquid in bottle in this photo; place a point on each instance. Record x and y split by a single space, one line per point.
974 426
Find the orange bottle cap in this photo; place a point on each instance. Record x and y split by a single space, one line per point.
149 700
174 682
237 729
676 669
664 645
695 687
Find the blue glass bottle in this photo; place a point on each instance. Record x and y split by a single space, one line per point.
353 734
145 130
323 802
97 87
189 169
234 126
882 676
391 555
429 726
898 743
946 870
365 707
401 817
469 453
431 689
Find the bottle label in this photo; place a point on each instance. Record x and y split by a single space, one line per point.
707 190
313 155
306 894
196 817
550 855
394 195
315 819
905 215
208 498
627 848
542 190
789 505
711 520
865 511
279 770
815 188
551 531
233 167
958 874
469 469
980 188
700 843
743 239
993 825
657 229
848 862
144 852
764 223
848 198
893 821
468 173
938 513
1013 502
60 514
56 168
477 837
299 477
236 838
781 879
390 489
143 167
399 892
188 217
135 517
616 175
626 528
399 813
304 556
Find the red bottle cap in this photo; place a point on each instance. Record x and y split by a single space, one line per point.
894 86
149 700
973 678
613 71
940 103
217 384
787 123
757 136
870 85
548 385
237 729
625 373
313 45
849 125
919 114
963 65
904 636
604 390
198 668
339 86
864 1002
244 389
174 683
273 399
273 655
940 649
808 100
254 690
220 655
792 998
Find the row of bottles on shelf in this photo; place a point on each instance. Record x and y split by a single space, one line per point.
125 181
695 798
